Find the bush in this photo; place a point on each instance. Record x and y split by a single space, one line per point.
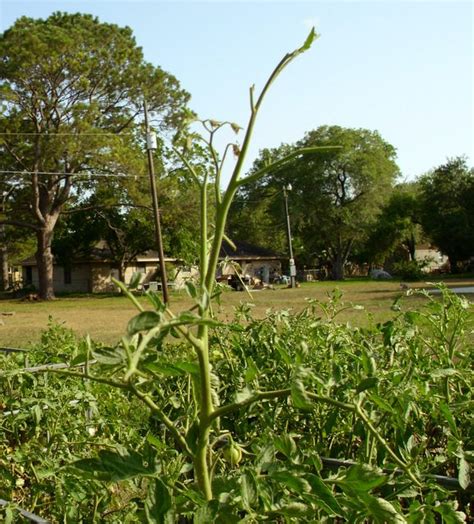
409 270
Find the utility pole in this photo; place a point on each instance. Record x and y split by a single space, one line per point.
288 234
151 145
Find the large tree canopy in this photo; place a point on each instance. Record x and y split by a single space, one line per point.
447 209
397 227
73 90
336 194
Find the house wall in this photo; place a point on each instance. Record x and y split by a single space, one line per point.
101 278
253 268
79 283
434 259
149 270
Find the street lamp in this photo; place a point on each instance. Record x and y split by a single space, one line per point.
287 188
151 145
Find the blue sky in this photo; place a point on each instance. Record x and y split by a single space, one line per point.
404 68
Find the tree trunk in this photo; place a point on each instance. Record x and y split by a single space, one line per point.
337 269
4 283
44 261
453 264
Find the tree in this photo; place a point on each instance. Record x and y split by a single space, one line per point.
397 226
73 88
336 194
447 209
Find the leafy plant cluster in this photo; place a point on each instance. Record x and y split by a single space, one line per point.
296 393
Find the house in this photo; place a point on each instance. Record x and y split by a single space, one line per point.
431 257
253 261
93 273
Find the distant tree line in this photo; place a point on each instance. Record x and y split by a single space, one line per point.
73 170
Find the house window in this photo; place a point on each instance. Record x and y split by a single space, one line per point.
29 275
67 275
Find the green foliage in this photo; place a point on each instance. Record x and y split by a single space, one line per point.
211 422
337 193
447 211
409 270
393 398
73 88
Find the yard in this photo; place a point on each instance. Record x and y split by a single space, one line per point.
105 318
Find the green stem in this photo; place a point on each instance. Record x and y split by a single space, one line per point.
384 443
201 465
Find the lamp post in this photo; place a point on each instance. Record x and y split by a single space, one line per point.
287 188
151 146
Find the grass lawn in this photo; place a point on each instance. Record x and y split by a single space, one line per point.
105 317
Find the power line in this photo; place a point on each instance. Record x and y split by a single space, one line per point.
6 172
64 134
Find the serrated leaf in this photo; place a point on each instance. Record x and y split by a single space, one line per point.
449 513
322 491
158 503
464 473
362 478
366 383
109 356
298 396
252 370
446 372
143 322
248 489
112 466
444 408
292 481
381 403
244 394
286 445
382 510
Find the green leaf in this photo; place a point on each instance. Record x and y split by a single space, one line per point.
446 372
158 503
326 496
286 445
381 403
291 481
382 510
113 466
191 289
464 473
135 280
248 489
298 396
309 40
366 383
143 322
109 356
449 513
252 370
362 478
294 509
444 408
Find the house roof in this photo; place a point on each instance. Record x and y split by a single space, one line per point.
245 251
102 255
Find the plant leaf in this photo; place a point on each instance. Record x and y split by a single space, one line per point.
143 322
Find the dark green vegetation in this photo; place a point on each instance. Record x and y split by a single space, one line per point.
188 418
73 91
293 390
447 209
